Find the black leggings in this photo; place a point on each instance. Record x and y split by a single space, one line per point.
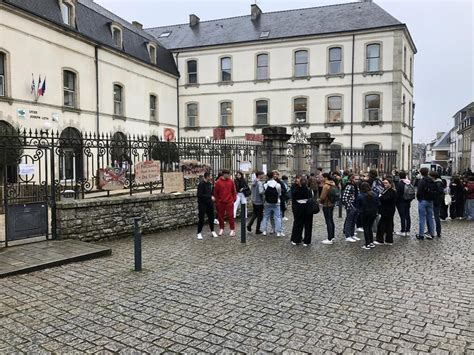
367 222
203 210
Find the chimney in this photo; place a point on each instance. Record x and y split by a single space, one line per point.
255 12
193 20
137 25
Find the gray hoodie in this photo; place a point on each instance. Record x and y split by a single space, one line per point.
257 192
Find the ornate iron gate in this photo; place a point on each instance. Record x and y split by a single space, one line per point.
299 152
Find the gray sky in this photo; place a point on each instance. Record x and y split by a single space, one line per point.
443 32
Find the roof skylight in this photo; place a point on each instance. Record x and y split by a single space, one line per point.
264 34
165 34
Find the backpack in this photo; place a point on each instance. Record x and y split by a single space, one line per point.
271 195
377 187
409 192
334 194
431 190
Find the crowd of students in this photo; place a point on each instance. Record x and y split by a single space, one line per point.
370 202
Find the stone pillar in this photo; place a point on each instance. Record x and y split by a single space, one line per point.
320 151
275 141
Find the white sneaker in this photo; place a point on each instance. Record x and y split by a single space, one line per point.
356 238
293 243
214 234
280 234
366 247
232 233
199 236
221 231
351 240
327 241
400 233
305 245
359 229
407 234
264 233
285 218
216 221
377 243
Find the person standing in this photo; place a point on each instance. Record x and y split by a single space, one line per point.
443 213
424 194
285 192
388 200
257 202
367 205
205 204
243 191
456 189
313 184
271 207
328 201
319 180
470 198
405 194
302 200
225 195
438 201
349 197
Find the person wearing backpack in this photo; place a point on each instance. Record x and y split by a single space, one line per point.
425 194
302 202
438 201
329 196
405 194
388 200
367 204
257 202
272 192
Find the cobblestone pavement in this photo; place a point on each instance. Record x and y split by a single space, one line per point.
217 295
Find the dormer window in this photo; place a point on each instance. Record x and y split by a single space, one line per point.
264 34
152 52
117 35
165 34
67 12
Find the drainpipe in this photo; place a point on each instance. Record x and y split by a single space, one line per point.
352 100
177 95
97 87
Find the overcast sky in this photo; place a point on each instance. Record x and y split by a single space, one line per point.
443 32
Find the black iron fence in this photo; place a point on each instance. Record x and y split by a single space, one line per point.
362 160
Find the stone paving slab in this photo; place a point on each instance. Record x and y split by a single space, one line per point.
219 296
41 255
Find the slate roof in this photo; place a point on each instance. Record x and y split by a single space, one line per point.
281 24
443 142
93 22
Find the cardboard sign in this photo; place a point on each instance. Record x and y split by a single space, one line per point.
112 178
26 169
245 166
193 168
173 182
147 172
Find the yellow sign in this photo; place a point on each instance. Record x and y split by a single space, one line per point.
147 171
173 182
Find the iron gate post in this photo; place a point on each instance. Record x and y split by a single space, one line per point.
53 191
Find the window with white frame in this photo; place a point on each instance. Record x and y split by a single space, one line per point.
3 83
261 111
262 66
335 60
404 104
372 107
410 113
67 13
411 69
226 113
405 59
192 114
226 69
300 109
153 114
373 57
334 109
192 71
118 100
117 36
301 63
70 88
152 51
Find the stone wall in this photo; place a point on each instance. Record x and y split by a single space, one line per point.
107 217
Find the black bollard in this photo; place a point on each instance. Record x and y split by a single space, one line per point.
137 236
243 223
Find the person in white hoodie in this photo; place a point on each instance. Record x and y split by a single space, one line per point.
404 203
271 206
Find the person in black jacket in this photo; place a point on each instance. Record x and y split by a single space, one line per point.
424 194
456 189
438 201
367 203
403 205
388 200
302 200
205 204
243 190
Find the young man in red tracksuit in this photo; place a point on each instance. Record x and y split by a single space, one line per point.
225 196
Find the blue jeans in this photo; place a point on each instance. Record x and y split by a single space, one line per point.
404 212
268 211
470 209
425 213
350 222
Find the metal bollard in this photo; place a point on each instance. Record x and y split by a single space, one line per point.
137 236
243 223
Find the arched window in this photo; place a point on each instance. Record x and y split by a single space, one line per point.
334 109
117 36
118 100
71 155
261 112
335 60
226 113
68 12
70 88
192 71
403 157
262 66
300 109
3 81
301 64
373 57
226 69
192 114
404 104
405 59
10 154
372 107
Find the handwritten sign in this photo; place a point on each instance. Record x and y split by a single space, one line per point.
26 169
147 171
245 166
112 178
193 168
173 182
